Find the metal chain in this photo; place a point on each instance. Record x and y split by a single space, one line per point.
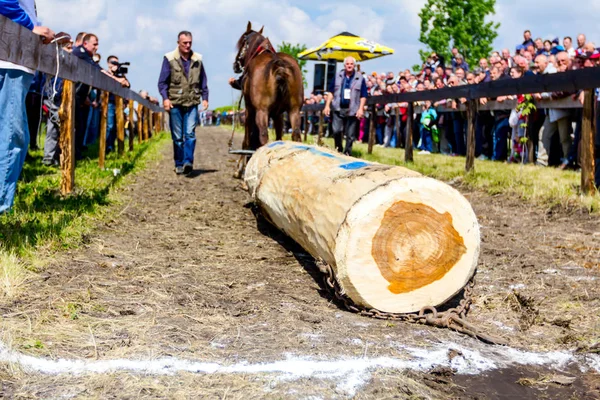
453 318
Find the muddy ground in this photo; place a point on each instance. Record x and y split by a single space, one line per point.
184 270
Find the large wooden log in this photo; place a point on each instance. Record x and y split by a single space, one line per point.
397 241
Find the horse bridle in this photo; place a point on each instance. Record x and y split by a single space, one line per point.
238 65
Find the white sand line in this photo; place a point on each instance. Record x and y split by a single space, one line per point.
351 373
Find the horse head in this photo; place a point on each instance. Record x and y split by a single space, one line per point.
244 45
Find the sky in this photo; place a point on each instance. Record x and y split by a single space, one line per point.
142 31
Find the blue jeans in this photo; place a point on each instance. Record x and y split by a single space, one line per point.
426 139
501 130
111 127
14 133
459 134
183 123
379 130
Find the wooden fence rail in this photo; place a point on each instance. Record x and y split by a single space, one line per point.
566 81
21 46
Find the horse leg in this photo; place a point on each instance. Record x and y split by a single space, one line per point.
243 160
295 122
262 122
278 125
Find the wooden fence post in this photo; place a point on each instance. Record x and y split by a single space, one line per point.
398 134
102 133
471 116
140 124
587 144
131 125
408 146
156 122
67 138
120 118
145 114
372 129
320 136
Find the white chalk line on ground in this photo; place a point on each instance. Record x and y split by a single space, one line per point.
351 373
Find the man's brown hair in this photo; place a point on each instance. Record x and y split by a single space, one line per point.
88 36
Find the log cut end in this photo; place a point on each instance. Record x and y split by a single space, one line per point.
411 243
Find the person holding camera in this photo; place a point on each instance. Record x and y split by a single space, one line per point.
116 71
183 85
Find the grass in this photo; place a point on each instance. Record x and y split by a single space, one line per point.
43 221
548 187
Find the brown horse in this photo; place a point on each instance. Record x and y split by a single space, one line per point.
271 85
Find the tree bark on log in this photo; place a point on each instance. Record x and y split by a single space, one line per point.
397 241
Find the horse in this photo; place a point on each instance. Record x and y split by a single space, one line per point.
271 85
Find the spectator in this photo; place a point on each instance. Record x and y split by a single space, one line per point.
580 41
556 119
547 50
453 59
348 96
15 81
182 90
539 46
111 122
460 63
501 125
568 45
428 128
89 46
518 131
527 41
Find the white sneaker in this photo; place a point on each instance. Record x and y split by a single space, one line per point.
424 152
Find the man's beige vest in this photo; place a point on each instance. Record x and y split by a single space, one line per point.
184 90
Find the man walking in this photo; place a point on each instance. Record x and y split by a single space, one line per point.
183 85
14 84
348 94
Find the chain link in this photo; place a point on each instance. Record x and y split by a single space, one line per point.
453 318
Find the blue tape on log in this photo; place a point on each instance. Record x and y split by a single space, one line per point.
354 165
349 166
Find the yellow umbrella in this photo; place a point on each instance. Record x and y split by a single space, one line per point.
346 44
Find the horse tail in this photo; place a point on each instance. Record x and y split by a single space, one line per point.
280 69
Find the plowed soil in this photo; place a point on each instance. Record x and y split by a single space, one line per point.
184 269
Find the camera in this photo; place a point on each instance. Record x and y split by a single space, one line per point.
122 68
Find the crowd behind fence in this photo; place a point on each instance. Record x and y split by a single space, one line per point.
536 105
80 103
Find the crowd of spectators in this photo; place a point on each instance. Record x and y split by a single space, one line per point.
42 100
546 136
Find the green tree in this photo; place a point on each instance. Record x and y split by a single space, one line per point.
458 23
293 50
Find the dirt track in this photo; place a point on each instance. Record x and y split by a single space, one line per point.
184 270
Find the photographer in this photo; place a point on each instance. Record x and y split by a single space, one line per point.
116 71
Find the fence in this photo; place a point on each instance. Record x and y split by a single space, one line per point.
586 79
21 46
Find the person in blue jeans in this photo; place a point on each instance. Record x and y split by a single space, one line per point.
183 85
15 81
